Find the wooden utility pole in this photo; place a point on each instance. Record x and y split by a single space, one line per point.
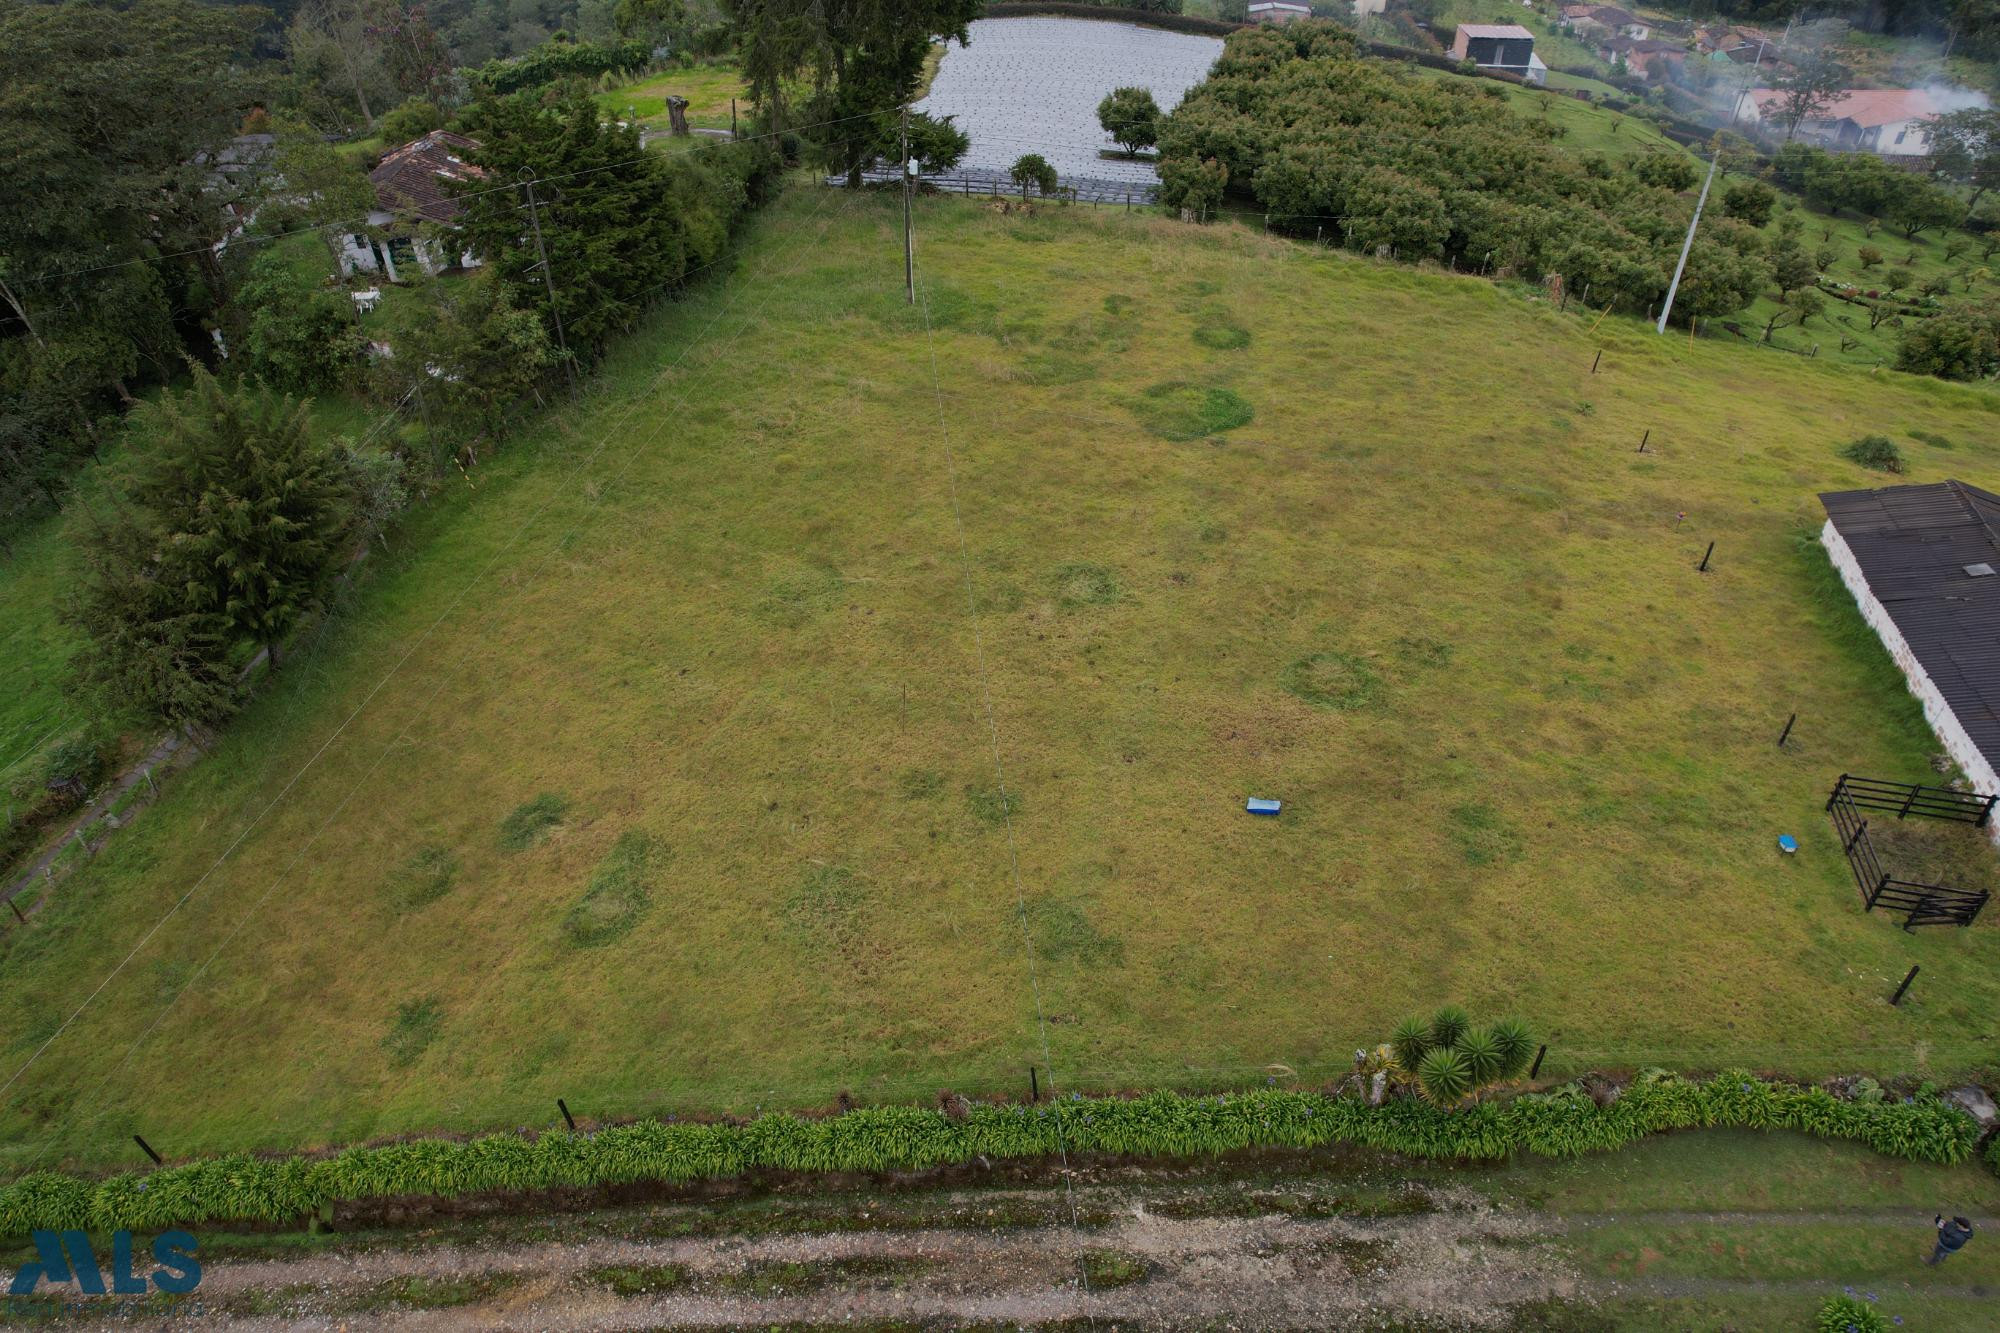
549 283
909 249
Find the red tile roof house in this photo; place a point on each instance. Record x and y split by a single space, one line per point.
1887 121
413 191
1507 47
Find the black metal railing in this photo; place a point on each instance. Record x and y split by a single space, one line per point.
1921 904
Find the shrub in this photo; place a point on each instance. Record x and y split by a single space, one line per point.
1482 1056
1875 451
73 764
1565 1123
1749 201
1869 256
1033 169
1409 1041
1444 1076
1448 1024
1846 1314
1517 1046
413 119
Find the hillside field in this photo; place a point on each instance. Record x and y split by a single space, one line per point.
656 769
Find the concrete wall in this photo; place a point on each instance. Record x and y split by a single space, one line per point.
1936 711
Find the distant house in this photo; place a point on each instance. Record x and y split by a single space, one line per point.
414 203
1886 121
1279 11
1507 47
1640 53
1921 562
1606 20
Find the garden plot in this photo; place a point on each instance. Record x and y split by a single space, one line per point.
1033 85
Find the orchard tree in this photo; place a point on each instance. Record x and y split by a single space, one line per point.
1920 206
1131 117
1749 201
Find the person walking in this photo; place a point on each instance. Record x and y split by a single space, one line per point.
1951 1237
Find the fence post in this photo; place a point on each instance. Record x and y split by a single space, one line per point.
1897 998
1909 800
1537 1068
1838 787
1987 814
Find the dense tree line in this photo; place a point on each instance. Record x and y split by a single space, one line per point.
1366 153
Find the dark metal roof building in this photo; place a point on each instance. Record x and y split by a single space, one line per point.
1931 557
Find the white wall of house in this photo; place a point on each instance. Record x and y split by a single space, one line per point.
1936 711
1899 138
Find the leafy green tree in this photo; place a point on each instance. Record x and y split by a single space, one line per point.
412 119
1919 207
1131 117
1965 149
327 189
1749 201
860 60
1033 169
411 51
936 142
109 117
1956 345
336 65
1812 84
300 335
1666 171
1792 268
470 353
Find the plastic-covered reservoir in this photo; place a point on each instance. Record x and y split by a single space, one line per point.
1032 85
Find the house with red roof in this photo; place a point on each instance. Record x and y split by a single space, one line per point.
416 207
1885 121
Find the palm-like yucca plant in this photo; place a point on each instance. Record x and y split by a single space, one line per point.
1482 1055
1443 1077
1517 1046
1409 1041
1448 1025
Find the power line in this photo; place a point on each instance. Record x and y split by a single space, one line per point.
281 878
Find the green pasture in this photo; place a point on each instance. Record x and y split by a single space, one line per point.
708 89
729 739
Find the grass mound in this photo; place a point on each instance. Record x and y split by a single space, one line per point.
1339 681
414 1029
1181 412
992 806
1221 333
1080 585
425 877
619 893
529 822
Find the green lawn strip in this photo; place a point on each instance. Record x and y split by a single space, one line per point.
1748 1308
1739 1170
1851 1252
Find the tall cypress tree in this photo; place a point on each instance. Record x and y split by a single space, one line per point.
235 523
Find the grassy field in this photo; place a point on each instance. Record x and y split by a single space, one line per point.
657 769
708 89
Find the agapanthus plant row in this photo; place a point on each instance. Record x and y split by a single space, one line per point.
1564 1123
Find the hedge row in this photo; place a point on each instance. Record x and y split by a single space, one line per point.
1566 1123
